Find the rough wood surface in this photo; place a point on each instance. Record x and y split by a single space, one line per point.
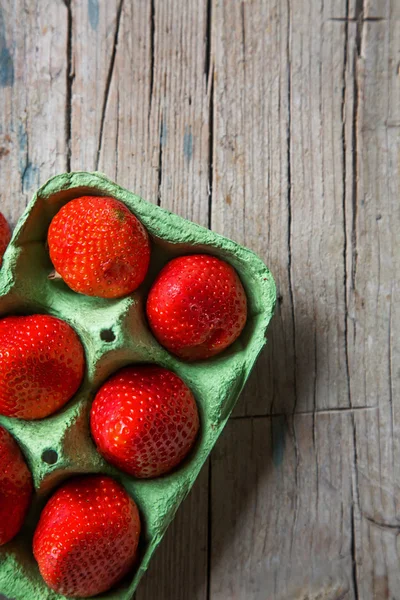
33 43
282 509
277 124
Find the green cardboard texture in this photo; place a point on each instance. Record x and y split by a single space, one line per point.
115 334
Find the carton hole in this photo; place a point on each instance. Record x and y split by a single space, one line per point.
50 457
107 335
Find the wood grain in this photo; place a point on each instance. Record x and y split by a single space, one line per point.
277 124
93 31
281 510
373 291
373 256
285 170
377 523
251 170
317 216
32 93
155 137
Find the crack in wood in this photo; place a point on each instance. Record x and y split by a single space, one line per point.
314 429
356 105
310 413
392 417
243 27
69 83
242 16
208 32
354 555
357 20
381 524
289 199
355 483
210 150
161 142
355 506
359 10
289 245
344 203
152 53
27 163
108 81
209 71
117 140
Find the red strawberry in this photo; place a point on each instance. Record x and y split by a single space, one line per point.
144 420
99 247
41 365
5 236
87 536
15 487
197 306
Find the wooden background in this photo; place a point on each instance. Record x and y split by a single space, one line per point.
276 123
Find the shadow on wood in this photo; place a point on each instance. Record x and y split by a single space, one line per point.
273 481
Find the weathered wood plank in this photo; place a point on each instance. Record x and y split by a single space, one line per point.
281 511
250 168
274 96
373 217
374 351
318 67
156 125
129 138
93 30
33 42
377 522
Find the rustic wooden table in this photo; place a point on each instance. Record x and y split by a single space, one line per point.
275 123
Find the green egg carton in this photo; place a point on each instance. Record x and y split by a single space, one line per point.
114 334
